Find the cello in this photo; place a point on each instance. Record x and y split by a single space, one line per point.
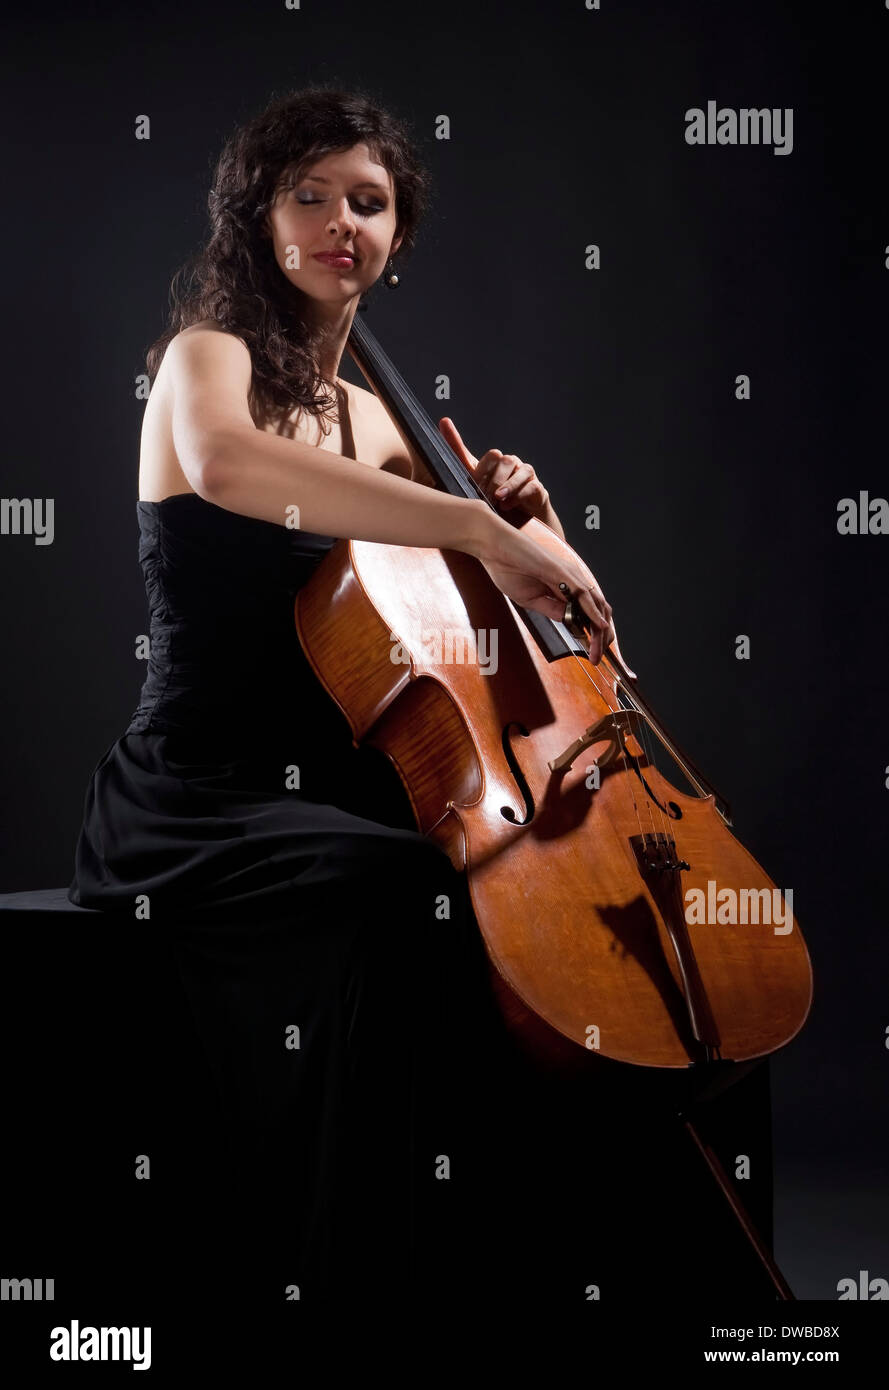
621 917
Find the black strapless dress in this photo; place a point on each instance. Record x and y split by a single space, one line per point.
235 812
306 901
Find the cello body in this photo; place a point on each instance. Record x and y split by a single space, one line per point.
580 937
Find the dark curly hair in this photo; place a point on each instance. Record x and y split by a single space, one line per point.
234 278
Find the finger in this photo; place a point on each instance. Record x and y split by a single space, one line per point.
528 494
602 606
488 466
594 609
596 647
550 607
512 480
509 465
585 600
594 605
452 436
598 625
601 634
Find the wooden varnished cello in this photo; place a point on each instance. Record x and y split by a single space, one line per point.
592 844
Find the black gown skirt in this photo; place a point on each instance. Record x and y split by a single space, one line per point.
327 950
385 1144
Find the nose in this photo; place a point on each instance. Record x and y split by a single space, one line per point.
341 218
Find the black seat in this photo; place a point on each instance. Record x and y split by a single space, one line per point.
43 900
92 1005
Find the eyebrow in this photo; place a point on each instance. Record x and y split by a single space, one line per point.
367 183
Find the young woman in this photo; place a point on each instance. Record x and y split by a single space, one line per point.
233 809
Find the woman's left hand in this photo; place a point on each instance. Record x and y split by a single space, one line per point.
504 478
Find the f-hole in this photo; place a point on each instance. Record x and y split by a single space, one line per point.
506 811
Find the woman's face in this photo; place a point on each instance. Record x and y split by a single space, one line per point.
342 202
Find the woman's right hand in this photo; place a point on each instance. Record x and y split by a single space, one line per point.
529 572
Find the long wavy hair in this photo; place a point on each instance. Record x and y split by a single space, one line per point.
234 278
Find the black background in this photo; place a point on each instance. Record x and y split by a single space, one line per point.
718 515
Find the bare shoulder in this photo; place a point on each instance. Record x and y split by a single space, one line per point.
201 392
209 337
206 359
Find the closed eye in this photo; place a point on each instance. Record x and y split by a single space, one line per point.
362 207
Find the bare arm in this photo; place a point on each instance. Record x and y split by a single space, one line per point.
263 475
228 461
233 464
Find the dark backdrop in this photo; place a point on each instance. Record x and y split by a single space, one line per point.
718 516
